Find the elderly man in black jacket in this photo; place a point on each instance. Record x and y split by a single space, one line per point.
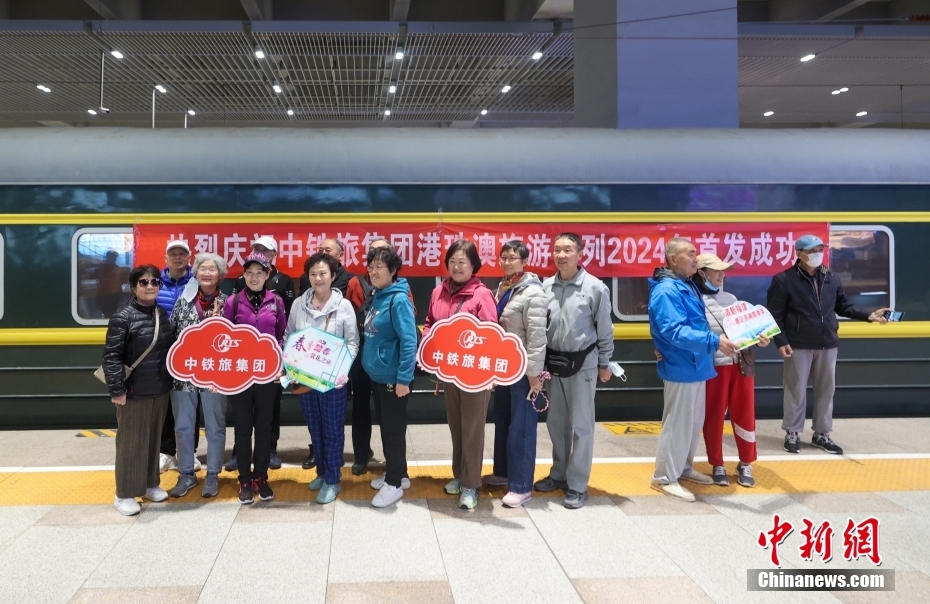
805 300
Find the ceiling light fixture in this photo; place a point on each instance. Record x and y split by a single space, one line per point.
861 113
160 88
769 113
276 88
844 89
537 55
484 112
836 92
290 112
387 112
399 55
259 54
116 54
43 88
191 112
807 58
92 112
505 89
392 89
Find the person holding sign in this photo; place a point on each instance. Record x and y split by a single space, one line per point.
686 344
580 338
139 335
253 409
734 387
804 301
521 307
388 358
466 411
201 299
324 308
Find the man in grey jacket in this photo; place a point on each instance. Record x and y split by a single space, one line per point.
581 333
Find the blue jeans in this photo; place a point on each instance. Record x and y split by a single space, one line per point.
184 406
515 436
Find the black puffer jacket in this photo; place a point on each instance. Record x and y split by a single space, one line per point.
129 333
805 308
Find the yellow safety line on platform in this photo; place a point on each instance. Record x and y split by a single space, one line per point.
622 480
94 336
488 217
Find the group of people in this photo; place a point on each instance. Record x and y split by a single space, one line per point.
563 322
706 375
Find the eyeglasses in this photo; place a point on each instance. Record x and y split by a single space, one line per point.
510 259
156 283
376 267
208 269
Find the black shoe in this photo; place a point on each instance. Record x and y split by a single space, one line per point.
310 461
549 484
826 443
792 443
260 485
232 465
245 493
275 462
361 465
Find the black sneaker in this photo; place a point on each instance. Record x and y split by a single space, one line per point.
720 476
274 462
232 465
826 443
260 485
744 475
549 484
792 443
310 461
361 464
245 493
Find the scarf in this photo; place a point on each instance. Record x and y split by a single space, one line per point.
455 288
507 283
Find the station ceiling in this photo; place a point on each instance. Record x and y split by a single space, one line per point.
335 63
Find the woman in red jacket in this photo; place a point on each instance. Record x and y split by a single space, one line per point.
466 411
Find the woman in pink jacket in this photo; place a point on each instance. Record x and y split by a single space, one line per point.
466 411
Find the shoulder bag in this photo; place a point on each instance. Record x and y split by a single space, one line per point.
745 358
128 369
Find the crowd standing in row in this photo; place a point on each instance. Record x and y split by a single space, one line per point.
563 322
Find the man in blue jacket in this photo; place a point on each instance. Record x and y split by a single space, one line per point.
686 346
174 278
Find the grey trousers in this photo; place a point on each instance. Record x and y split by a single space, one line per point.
570 421
138 438
184 406
820 366
682 420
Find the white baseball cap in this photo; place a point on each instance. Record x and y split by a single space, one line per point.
267 242
178 243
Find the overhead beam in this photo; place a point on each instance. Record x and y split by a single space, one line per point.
257 10
521 10
399 10
841 10
117 9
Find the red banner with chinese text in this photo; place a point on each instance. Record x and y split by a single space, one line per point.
609 249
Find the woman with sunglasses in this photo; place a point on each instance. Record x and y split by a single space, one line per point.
140 330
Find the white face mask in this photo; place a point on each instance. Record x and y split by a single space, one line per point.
815 260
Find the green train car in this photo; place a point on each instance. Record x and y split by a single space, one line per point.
79 207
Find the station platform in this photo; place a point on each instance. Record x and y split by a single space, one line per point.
62 541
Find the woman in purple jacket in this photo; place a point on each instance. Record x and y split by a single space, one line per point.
253 408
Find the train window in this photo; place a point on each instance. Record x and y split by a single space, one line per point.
101 260
2 250
861 256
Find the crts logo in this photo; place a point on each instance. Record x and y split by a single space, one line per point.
222 343
468 339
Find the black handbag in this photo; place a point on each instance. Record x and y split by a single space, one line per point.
566 364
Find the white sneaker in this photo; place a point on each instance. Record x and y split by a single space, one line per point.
197 466
127 507
386 496
166 462
156 494
695 476
673 490
378 482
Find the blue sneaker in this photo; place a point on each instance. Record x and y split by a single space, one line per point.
328 493
316 484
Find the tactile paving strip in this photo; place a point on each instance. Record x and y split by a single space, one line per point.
617 479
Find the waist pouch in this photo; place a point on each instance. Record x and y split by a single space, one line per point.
566 364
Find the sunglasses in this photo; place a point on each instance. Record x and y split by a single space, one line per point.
152 282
